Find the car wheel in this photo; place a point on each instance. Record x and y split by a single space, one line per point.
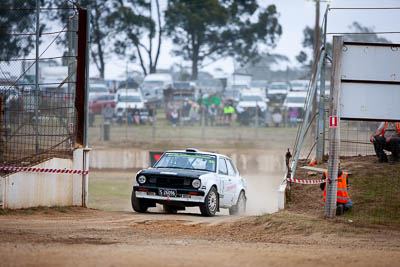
169 209
240 207
137 204
210 205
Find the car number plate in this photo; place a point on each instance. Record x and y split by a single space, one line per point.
167 192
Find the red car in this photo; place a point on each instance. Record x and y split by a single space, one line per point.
99 102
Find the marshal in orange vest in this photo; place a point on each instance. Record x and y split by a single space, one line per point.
341 193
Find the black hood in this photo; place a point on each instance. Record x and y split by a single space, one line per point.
173 172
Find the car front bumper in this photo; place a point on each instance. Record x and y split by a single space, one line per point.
183 195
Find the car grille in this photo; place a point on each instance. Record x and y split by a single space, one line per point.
170 182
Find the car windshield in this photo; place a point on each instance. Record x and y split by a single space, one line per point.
277 87
153 84
129 98
298 85
95 89
296 100
180 160
251 98
232 93
182 97
259 84
239 86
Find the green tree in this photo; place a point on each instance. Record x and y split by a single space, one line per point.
369 37
17 16
355 27
99 32
208 29
132 21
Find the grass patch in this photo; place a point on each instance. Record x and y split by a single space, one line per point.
168 137
107 193
35 210
376 197
109 190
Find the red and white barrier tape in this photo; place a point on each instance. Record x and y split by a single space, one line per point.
298 181
41 170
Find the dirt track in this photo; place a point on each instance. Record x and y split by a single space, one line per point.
84 237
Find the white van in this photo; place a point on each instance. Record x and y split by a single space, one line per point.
127 101
299 85
154 84
295 100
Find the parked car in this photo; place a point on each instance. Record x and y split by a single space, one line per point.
128 102
176 95
295 100
299 85
260 84
277 92
251 104
153 86
98 102
97 89
190 178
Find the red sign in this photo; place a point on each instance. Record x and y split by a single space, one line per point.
333 122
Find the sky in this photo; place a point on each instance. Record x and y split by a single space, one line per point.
295 15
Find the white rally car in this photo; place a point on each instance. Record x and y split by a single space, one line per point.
190 178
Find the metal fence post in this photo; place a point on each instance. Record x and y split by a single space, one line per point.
153 124
82 95
37 78
308 108
203 114
257 120
334 133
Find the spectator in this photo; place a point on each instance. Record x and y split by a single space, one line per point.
187 105
276 116
151 114
136 116
387 137
293 115
220 114
108 114
174 117
194 113
343 202
228 113
212 114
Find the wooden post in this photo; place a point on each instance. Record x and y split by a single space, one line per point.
334 133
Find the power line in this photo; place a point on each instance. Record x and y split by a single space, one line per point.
350 33
364 8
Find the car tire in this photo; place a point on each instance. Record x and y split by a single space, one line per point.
211 202
137 204
169 209
240 207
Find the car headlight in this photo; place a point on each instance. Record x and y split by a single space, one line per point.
141 179
196 183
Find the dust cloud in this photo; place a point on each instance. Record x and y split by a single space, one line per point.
262 192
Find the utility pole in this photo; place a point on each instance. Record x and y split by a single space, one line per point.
334 133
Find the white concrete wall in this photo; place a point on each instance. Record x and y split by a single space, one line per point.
257 161
24 189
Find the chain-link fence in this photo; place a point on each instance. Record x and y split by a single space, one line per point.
37 84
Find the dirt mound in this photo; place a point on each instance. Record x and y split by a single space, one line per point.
374 190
